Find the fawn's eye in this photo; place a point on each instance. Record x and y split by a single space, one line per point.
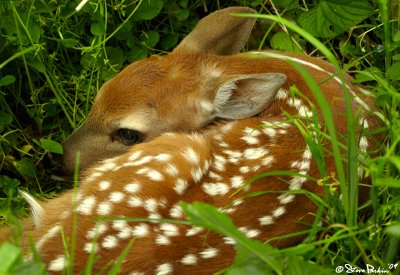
128 136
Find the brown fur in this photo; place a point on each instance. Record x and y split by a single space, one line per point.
163 92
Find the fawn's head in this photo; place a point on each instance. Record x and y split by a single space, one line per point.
181 91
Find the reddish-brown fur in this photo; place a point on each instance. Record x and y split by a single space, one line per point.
167 88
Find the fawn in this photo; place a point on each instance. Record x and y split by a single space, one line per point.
193 125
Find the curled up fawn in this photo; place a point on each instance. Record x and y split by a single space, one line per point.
194 125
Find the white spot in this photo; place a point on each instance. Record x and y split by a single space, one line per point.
106 166
193 231
244 169
151 205
269 131
104 208
135 201
171 170
189 259
281 94
250 233
144 160
191 155
286 198
227 127
134 156
141 230
196 174
296 183
116 197
180 186
209 253
206 105
363 144
132 187
250 140
176 212
214 189
162 240
268 160
150 173
251 132
110 242
278 211
169 229
97 230
266 220
90 247
104 185
229 240
255 153
303 165
223 144
307 154
163 157
237 181
214 176
93 176
58 264
136 273
164 269
219 163
120 225
154 216
86 206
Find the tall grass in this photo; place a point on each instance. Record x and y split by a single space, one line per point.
53 59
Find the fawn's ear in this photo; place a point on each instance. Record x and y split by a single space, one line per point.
219 33
246 95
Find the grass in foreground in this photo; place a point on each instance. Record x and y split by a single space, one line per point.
54 59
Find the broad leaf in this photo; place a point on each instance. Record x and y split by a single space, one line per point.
330 18
148 9
51 146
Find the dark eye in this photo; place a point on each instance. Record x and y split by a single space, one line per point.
128 136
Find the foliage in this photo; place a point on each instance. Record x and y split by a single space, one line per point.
53 59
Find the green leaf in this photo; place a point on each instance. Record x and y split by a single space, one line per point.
39 66
394 71
150 38
286 4
387 182
98 28
369 74
393 230
8 185
136 54
7 80
10 255
69 42
26 167
169 41
5 120
297 265
330 18
396 37
148 9
51 146
282 41
182 14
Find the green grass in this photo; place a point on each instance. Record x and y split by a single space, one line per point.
53 59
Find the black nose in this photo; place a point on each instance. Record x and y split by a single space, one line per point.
56 168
